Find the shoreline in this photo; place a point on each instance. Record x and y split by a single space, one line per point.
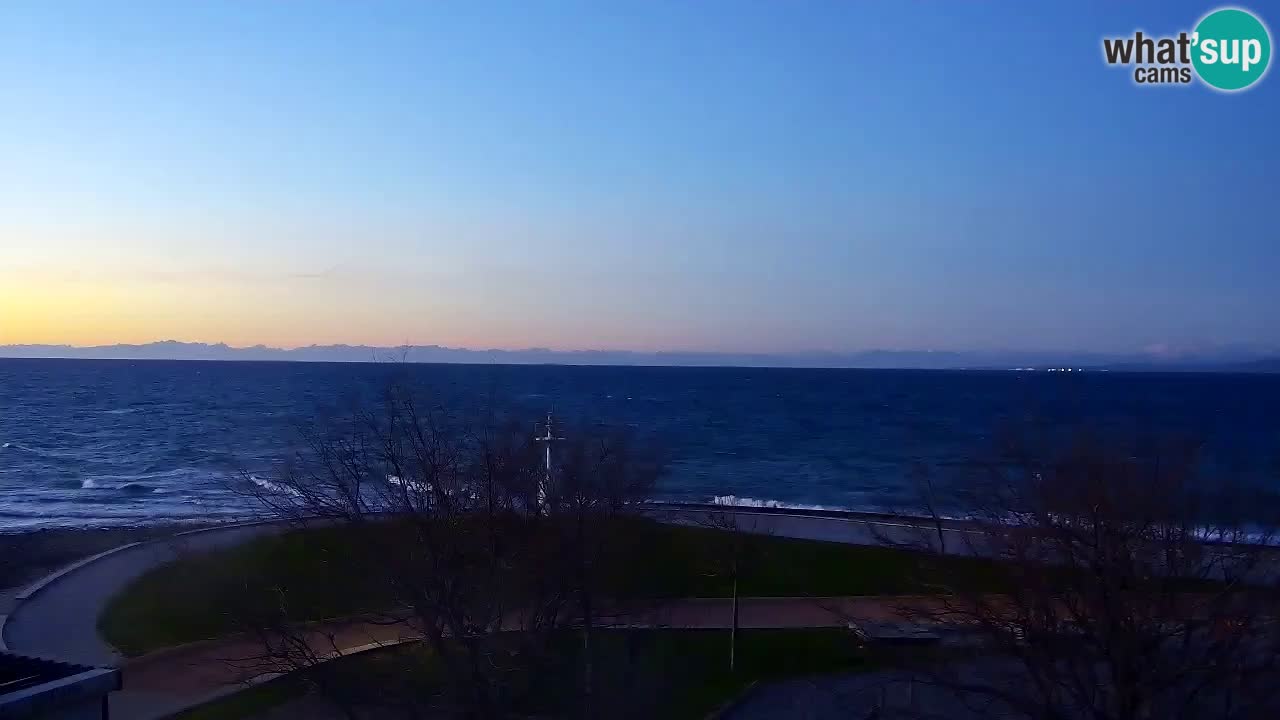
177 524
805 510
28 553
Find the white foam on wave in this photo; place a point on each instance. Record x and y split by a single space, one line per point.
132 486
46 453
273 487
410 484
735 501
4 445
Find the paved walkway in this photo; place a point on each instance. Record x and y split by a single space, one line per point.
171 680
59 619
851 528
168 681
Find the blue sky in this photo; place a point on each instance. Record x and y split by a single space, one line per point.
699 176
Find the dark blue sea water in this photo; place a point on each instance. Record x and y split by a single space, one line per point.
120 442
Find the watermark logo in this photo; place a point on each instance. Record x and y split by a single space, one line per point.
1229 50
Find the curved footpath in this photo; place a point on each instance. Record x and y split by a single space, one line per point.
57 616
171 680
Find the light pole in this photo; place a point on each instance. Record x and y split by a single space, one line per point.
545 486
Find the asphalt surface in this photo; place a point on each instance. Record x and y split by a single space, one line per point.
60 620
850 528
168 681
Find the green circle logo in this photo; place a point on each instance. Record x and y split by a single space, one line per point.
1232 49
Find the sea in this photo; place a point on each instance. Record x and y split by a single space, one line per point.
87 443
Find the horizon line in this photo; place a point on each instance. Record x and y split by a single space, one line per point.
879 358
1240 348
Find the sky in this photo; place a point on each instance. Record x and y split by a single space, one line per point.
716 176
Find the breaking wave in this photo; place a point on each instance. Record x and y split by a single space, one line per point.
131 488
410 484
273 487
735 501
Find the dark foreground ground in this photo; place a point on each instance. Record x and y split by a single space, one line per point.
640 673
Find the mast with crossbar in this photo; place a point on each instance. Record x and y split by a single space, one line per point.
545 486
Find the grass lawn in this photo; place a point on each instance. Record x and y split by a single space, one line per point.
699 658
639 673
681 561
249 702
319 575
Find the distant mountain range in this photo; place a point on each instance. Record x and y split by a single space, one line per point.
884 359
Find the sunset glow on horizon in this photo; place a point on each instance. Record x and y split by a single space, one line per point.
658 176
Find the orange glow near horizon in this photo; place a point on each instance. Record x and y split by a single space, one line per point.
101 312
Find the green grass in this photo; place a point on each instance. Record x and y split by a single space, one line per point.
201 596
696 662
639 673
248 702
317 574
674 561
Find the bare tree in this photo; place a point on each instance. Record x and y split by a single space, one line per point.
1127 587
929 497
454 521
599 480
